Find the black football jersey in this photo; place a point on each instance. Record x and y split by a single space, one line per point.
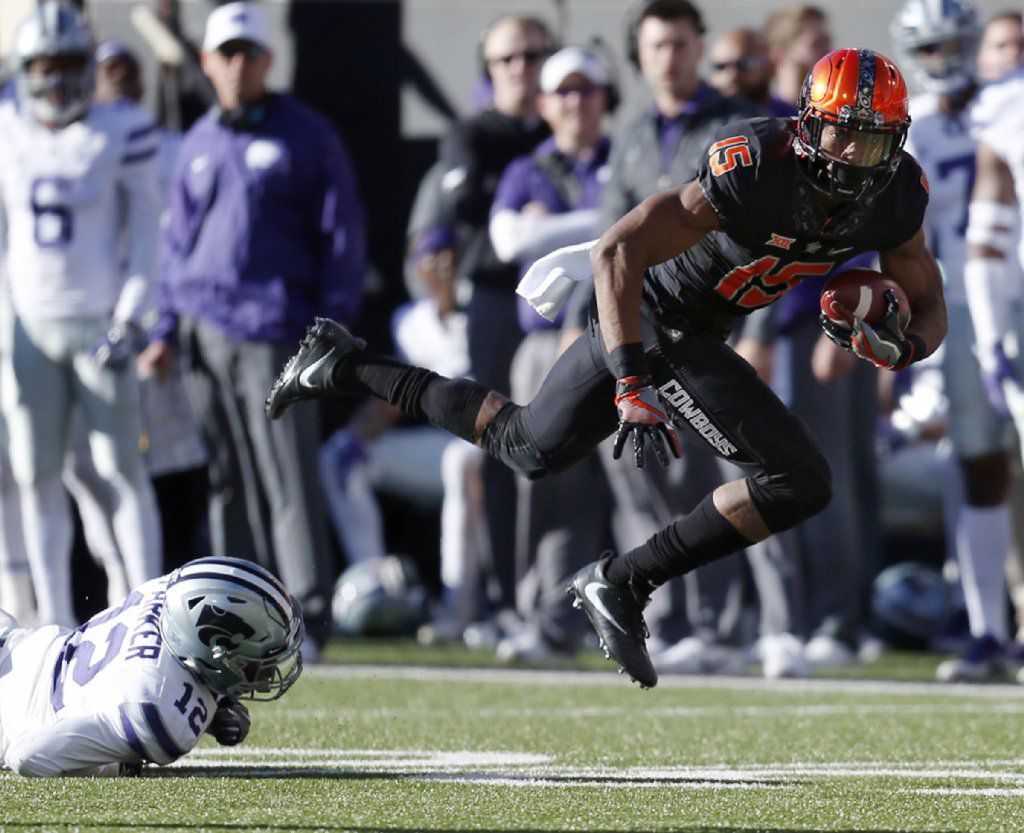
774 234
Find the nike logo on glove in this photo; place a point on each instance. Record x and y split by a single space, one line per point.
593 593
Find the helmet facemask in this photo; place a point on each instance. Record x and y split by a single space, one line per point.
61 95
946 66
234 626
847 158
939 39
852 125
54 54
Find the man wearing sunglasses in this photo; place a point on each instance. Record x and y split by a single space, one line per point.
662 148
472 157
546 200
264 229
742 68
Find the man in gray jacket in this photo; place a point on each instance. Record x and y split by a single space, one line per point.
659 148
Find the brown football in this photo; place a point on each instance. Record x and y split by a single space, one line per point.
861 293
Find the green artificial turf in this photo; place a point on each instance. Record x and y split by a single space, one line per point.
375 745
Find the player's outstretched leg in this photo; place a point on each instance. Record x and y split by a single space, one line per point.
310 372
616 612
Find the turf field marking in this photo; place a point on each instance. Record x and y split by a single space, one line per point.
521 769
797 710
523 676
988 792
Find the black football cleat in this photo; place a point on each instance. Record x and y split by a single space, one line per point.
310 372
617 615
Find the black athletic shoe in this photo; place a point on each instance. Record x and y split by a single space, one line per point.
310 372
617 615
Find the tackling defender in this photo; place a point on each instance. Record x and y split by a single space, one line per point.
775 201
142 681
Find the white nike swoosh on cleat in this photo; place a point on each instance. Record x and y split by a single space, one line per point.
592 592
306 375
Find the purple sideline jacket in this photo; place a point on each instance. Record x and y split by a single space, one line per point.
264 228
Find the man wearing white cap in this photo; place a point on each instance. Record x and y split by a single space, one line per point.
546 200
265 230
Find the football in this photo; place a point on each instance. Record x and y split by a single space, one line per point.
861 293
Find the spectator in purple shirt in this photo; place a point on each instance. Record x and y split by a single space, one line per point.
264 231
546 200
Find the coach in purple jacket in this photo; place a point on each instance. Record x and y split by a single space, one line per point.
264 231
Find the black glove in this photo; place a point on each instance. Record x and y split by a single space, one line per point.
230 725
642 415
119 346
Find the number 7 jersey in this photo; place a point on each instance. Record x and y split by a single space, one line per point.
105 692
773 234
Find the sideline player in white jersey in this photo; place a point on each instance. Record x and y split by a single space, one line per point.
142 681
81 208
993 277
939 40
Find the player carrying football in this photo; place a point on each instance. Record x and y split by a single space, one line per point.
142 681
775 201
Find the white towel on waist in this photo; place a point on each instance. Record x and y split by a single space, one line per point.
549 282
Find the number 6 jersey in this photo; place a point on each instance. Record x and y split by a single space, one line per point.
81 208
773 233
77 702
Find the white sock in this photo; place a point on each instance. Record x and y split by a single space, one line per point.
462 527
94 500
46 523
983 539
136 524
352 504
15 579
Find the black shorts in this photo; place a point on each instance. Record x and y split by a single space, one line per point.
711 393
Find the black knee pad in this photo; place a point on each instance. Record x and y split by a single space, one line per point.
505 440
786 498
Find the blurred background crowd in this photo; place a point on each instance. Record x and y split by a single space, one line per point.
183 186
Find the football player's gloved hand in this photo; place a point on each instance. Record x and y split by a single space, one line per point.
119 346
998 371
883 344
230 725
642 415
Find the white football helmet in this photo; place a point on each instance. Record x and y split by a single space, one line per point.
56 30
938 39
234 626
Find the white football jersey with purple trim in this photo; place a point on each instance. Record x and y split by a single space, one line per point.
944 147
81 208
108 691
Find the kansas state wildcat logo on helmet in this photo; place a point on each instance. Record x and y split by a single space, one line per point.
234 626
219 627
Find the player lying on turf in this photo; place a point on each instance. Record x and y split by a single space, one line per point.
141 682
775 201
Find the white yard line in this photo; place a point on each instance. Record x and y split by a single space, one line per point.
528 769
522 676
783 710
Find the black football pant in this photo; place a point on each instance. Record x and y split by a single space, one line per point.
709 391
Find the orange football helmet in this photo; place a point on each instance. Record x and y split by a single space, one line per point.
853 121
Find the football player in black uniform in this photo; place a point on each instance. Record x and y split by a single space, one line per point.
776 201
